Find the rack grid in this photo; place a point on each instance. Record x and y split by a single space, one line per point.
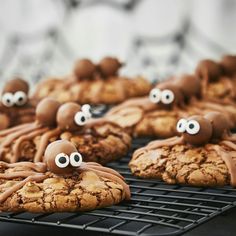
155 208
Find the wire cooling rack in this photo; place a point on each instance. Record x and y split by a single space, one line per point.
155 208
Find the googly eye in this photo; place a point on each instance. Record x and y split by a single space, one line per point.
8 100
193 127
62 160
20 98
155 95
181 125
76 159
80 118
167 96
86 108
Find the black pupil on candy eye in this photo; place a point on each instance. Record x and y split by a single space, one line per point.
180 125
20 99
8 101
62 160
154 95
167 96
191 126
76 158
82 118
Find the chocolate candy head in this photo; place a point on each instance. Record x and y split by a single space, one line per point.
71 116
196 130
84 69
62 157
219 124
208 69
109 66
15 93
166 95
46 111
190 85
228 63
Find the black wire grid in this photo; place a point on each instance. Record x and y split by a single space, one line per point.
155 208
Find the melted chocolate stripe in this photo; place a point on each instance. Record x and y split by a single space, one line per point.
230 163
17 145
44 142
111 177
9 139
105 169
19 185
39 167
12 130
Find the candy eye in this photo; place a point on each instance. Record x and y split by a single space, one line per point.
181 125
155 95
86 109
80 118
76 159
62 160
8 100
167 96
20 98
193 127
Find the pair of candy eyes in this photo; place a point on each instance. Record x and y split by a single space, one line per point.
62 160
191 126
81 117
166 96
9 99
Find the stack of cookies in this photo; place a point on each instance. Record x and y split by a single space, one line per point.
52 150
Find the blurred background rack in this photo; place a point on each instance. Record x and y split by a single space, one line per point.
155 208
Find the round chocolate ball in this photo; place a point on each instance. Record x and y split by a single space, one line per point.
109 66
56 152
84 69
228 63
190 85
46 111
208 69
204 133
15 85
178 95
5 121
66 116
219 124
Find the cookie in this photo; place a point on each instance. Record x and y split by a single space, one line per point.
158 114
98 140
15 106
218 78
205 154
63 183
94 84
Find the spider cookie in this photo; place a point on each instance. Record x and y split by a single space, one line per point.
204 155
158 114
63 182
96 139
218 78
15 105
94 84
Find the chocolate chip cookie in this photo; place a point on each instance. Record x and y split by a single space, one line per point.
97 139
205 154
62 183
94 84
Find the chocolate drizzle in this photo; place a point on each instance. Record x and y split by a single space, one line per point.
38 172
50 122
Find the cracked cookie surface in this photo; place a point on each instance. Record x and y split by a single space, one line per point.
78 192
197 166
103 143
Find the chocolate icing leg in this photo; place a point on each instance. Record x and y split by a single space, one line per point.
16 187
44 142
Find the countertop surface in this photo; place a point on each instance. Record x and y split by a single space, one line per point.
224 225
